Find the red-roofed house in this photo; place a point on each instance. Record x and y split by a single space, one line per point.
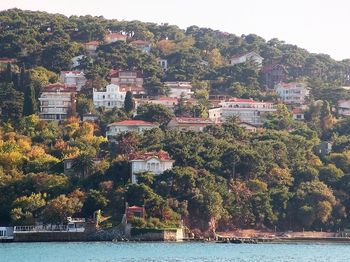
117 128
114 37
143 46
127 80
298 113
245 57
155 162
4 61
189 123
91 47
135 211
247 110
57 101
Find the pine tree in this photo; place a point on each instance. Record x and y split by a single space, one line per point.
128 102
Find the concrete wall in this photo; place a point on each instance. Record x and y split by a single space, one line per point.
49 236
156 235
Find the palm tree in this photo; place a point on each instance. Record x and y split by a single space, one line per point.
83 164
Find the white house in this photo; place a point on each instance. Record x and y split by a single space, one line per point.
178 89
74 77
143 46
298 114
110 98
57 101
115 37
117 128
344 107
247 110
128 80
155 162
75 61
163 63
245 57
6 233
292 93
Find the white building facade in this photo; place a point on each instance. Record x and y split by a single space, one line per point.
117 128
110 98
154 162
178 89
292 93
57 101
250 56
344 107
247 110
75 77
128 81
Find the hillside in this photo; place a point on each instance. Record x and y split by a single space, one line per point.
223 176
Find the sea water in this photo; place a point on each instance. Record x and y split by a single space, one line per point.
172 252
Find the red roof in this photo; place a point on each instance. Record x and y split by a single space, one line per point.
167 98
95 43
241 100
298 110
161 155
132 123
132 88
60 87
116 35
139 42
7 60
77 72
114 73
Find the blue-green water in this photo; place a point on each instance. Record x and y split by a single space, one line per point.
173 252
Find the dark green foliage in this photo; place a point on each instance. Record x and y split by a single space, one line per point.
128 103
11 103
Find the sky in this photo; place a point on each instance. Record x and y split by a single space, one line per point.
320 26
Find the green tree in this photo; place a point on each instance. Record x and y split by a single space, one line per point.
83 164
128 103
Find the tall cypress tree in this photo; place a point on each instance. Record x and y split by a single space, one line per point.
8 73
128 102
22 78
29 106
